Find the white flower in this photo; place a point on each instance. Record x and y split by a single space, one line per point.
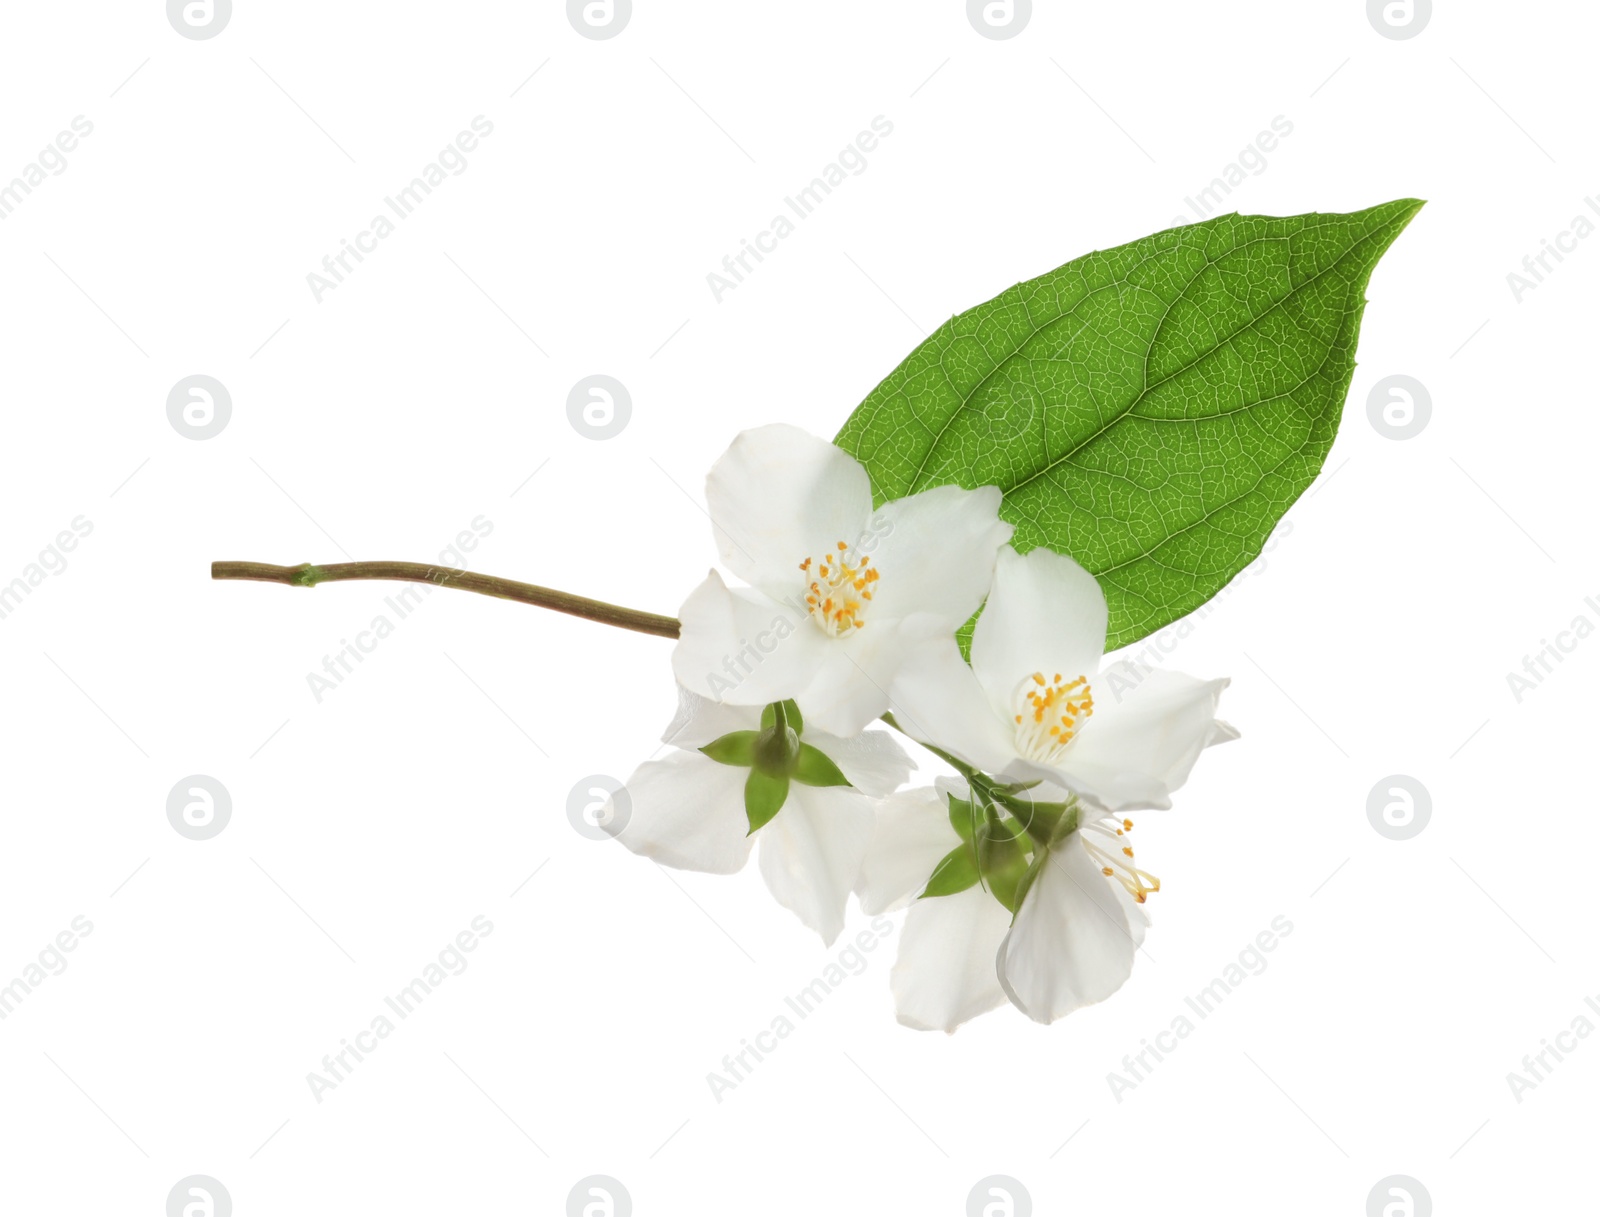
689 811
1070 945
841 597
1036 706
945 971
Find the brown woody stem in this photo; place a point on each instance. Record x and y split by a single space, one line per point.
307 575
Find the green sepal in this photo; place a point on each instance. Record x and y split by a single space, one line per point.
777 750
814 768
764 796
1061 820
1046 823
956 872
963 817
777 746
734 748
1017 787
791 712
1068 816
1003 858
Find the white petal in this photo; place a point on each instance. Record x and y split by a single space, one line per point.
913 833
1138 919
811 853
738 646
700 720
779 496
1045 614
687 811
936 698
849 680
1071 944
1148 728
945 972
935 553
873 761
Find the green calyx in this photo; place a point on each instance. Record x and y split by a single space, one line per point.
735 748
1045 823
956 872
1049 825
1005 840
764 796
777 751
1002 848
775 756
787 711
993 851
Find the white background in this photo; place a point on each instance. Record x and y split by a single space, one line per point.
430 388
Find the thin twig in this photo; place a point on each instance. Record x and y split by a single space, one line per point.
308 575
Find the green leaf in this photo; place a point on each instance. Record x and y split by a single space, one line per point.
1002 859
764 796
1150 410
956 872
814 768
735 748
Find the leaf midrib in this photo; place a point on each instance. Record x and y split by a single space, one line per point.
1145 392
1299 450
999 365
1043 326
1210 262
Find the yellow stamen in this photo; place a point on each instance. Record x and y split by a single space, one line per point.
1136 882
837 597
1052 714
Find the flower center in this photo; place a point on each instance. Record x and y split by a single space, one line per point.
1050 714
1107 843
840 590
